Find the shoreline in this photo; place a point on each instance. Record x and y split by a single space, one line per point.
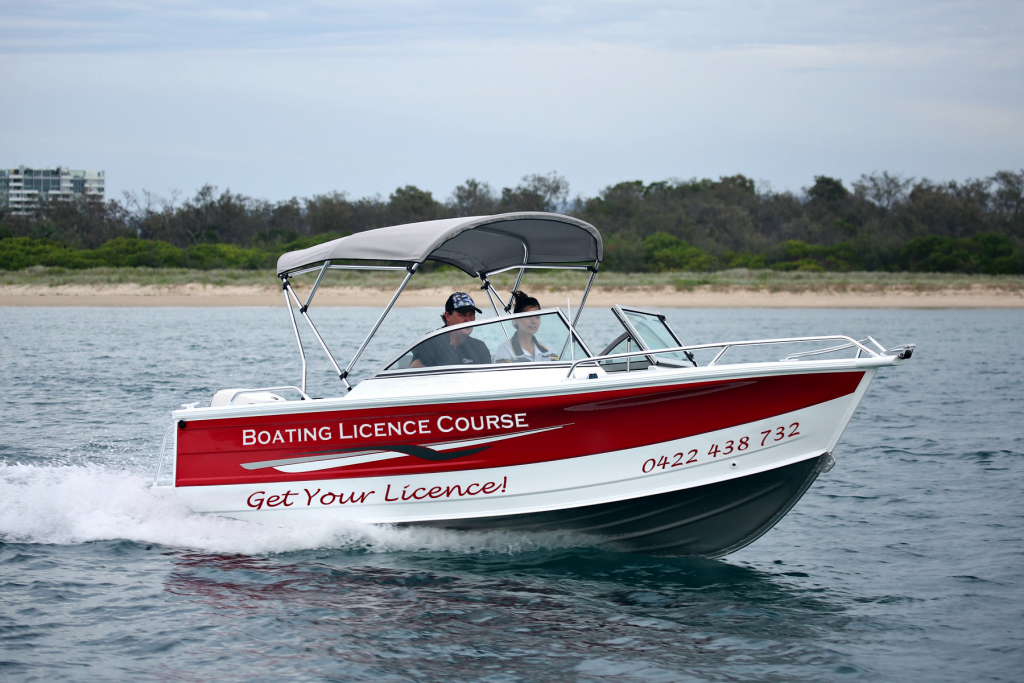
700 296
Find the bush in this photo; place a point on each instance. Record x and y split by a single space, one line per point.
732 259
626 256
210 256
663 251
988 253
804 265
22 252
797 255
17 253
125 252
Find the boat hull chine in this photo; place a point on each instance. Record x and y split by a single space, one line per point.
706 521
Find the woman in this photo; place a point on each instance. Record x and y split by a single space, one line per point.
523 347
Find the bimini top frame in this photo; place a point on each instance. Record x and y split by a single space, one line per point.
479 246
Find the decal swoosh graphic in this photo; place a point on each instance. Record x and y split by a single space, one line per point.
322 455
387 453
424 453
356 456
616 403
338 460
490 439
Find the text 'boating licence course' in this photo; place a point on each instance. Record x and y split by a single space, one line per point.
443 424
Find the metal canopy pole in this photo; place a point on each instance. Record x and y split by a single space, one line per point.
515 288
519 278
537 267
489 288
583 301
295 328
316 284
572 332
302 310
344 374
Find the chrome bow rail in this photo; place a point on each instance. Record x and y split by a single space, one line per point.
849 343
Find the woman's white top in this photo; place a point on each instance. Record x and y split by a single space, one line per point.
511 351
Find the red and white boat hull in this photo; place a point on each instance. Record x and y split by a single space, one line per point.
673 463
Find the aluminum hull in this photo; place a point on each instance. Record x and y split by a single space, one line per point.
707 521
689 462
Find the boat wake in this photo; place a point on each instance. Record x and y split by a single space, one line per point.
70 505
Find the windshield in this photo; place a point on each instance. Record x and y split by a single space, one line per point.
651 331
532 337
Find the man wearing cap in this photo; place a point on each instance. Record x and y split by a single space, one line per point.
457 347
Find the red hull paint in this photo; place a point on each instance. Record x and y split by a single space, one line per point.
212 452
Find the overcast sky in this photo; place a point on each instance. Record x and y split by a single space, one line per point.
277 100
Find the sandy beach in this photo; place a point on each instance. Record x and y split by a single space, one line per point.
706 296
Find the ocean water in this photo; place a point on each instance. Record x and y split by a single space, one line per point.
905 562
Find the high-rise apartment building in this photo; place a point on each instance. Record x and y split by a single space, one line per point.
22 188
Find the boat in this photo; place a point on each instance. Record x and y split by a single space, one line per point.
650 445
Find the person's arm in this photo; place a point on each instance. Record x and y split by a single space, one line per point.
425 355
417 356
483 355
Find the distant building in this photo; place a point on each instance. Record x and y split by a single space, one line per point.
22 188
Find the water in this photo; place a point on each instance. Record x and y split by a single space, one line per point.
906 562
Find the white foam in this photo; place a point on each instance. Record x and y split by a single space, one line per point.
80 504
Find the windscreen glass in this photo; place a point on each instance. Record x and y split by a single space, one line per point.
655 333
625 344
541 338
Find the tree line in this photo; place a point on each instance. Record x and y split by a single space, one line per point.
882 222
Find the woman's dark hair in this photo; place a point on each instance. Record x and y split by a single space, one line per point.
523 301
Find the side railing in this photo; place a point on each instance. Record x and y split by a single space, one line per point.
848 343
832 349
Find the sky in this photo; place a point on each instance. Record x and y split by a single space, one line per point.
275 100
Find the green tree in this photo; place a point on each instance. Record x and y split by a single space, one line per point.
1009 198
664 252
472 198
827 189
536 193
410 204
882 189
332 212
